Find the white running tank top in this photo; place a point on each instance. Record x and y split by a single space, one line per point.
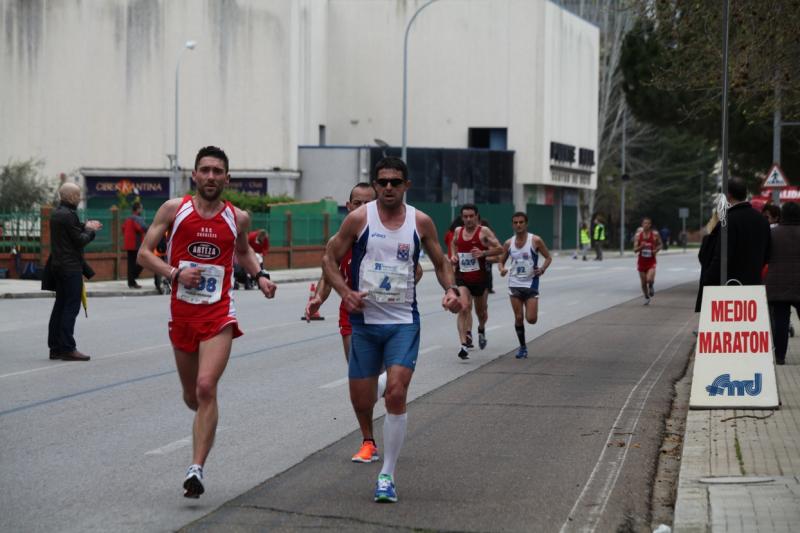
523 262
383 264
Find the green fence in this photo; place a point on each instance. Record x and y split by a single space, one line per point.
20 231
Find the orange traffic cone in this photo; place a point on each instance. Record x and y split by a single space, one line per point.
316 315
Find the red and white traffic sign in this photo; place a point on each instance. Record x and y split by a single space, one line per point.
733 364
775 177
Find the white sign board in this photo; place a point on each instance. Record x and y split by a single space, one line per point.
733 364
775 177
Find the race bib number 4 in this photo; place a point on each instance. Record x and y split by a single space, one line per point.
210 289
385 281
467 263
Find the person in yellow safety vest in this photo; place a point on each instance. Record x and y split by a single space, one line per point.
598 237
585 242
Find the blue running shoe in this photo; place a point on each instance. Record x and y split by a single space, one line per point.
384 489
522 353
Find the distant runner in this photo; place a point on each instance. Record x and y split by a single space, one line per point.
471 245
648 243
523 249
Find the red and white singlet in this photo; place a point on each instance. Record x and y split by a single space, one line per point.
470 269
647 252
208 244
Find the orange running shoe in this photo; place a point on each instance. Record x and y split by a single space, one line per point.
367 454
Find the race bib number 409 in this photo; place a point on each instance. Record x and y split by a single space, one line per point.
210 289
467 263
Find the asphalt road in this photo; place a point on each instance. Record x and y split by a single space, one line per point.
104 445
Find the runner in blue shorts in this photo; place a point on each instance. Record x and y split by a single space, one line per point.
386 237
523 250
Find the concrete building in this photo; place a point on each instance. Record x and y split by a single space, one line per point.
91 86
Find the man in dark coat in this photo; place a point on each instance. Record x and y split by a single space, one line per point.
748 241
68 237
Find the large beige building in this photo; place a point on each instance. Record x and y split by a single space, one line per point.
89 85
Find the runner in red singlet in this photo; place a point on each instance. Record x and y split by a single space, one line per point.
471 245
648 243
205 233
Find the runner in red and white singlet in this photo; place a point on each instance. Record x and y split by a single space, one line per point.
470 247
647 245
205 233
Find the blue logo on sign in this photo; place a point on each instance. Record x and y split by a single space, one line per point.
723 384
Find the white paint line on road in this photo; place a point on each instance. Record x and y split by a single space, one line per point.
594 497
491 328
176 445
429 349
342 381
333 384
131 352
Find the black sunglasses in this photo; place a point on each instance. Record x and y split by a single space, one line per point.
395 182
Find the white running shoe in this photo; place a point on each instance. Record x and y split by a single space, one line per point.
193 484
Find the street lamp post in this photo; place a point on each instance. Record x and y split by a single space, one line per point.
624 179
189 45
405 77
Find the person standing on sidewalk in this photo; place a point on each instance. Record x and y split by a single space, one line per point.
783 276
472 243
523 281
133 230
748 240
598 237
584 242
647 245
385 237
204 234
66 268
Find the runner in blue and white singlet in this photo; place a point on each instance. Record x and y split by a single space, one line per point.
385 237
522 252
383 265
524 261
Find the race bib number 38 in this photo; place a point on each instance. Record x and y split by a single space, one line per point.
210 289
385 281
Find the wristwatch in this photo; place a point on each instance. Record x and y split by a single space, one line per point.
262 274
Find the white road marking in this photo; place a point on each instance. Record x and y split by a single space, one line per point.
342 381
176 445
594 497
490 328
332 384
132 352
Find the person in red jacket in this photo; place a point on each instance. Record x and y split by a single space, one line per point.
259 241
133 230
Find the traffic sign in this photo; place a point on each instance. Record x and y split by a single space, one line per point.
775 177
683 212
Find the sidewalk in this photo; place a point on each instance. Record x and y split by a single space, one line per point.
740 469
26 288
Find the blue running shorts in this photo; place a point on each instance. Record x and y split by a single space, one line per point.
374 346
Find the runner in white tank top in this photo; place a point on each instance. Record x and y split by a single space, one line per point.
523 249
385 237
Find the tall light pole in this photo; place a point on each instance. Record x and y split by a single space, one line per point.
723 240
189 45
624 181
405 77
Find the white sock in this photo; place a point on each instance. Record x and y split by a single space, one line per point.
394 433
381 384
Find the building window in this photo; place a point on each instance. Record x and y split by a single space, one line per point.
488 138
563 153
586 157
322 134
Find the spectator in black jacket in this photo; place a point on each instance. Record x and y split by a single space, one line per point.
748 241
783 277
68 237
